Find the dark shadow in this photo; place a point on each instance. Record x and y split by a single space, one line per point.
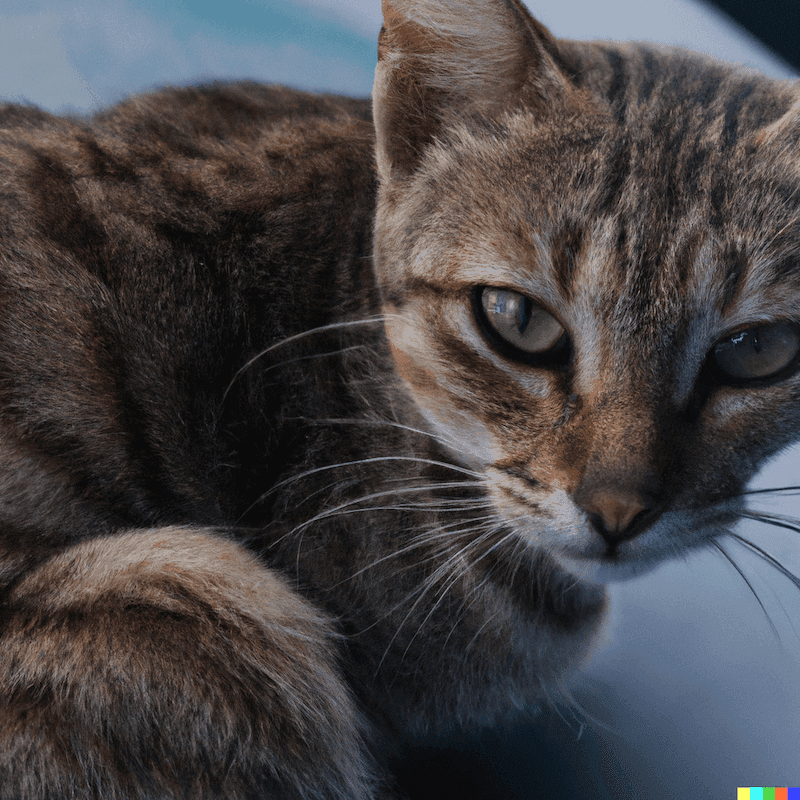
544 758
775 22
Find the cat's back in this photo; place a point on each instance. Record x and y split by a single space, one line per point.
146 254
243 146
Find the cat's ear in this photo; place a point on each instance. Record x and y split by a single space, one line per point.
438 58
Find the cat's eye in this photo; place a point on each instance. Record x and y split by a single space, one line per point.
757 353
520 323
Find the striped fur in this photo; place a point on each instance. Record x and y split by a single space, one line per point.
645 206
274 495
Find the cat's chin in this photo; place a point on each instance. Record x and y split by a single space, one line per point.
603 571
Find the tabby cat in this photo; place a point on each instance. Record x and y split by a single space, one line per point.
319 432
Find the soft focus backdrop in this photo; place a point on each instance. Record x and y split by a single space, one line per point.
78 54
694 691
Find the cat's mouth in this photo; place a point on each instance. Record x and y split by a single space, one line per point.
669 535
581 548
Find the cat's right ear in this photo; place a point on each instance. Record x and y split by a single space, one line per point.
443 58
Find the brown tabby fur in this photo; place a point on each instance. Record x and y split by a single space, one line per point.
267 492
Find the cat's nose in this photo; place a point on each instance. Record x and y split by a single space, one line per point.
615 514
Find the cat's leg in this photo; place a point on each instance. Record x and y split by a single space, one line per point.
170 663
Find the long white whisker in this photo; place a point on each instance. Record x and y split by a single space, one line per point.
430 580
440 572
309 356
480 630
469 599
290 339
444 533
387 423
360 461
577 709
455 576
426 487
444 504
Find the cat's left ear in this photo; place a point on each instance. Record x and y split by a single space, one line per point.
438 59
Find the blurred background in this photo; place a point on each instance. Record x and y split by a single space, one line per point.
695 689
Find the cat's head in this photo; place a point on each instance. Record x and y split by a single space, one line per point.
589 259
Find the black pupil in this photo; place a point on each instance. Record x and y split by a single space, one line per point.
524 315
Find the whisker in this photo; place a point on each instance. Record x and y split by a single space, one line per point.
555 706
768 557
455 576
773 562
438 574
778 520
443 533
290 339
480 630
776 490
466 604
469 599
519 545
422 588
404 490
309 356
578 710
744 577
372 460
437 437
444 504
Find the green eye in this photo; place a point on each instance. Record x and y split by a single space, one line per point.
520 322
758 352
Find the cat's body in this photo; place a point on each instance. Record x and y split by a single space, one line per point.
244 533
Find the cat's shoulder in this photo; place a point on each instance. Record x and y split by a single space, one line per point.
238 111
209 159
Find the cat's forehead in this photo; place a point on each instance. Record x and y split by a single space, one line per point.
665 210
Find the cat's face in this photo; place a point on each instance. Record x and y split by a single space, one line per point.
595 305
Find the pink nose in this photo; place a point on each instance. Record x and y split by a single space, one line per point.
613 513
616 510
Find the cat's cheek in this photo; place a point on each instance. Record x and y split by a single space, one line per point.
467 440
545 518
465 437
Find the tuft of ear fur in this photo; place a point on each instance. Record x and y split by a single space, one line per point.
438 58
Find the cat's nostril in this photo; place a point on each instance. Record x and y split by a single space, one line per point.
615 516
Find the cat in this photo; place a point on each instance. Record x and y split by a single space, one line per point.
325 421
